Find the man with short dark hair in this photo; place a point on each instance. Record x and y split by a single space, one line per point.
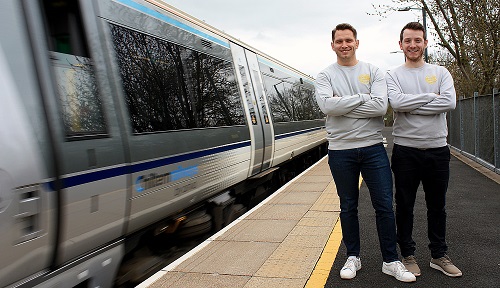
420 95
353 95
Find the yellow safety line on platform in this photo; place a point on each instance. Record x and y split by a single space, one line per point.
321 272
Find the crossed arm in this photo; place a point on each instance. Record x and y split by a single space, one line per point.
431 103
360 105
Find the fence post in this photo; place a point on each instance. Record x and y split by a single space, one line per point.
450 127
462 144
476 120
496 136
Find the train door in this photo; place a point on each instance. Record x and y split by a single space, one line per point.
83 119
251 105
262 105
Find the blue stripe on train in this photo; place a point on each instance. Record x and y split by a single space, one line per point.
119 171
134 168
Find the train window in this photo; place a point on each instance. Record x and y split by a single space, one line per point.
288 99
74 71
170 87
280 100
66 33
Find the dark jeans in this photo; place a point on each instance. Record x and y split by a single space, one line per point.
431 167
373 164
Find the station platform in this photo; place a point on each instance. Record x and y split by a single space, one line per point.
294 239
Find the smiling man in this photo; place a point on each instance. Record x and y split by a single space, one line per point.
353 95
420 95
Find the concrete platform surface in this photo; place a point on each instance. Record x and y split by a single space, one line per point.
278 243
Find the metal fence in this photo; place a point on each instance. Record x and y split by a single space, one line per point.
473 129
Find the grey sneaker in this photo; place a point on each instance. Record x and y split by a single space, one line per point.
445 265
398 270
352 265
410 263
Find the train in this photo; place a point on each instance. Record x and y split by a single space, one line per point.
127 123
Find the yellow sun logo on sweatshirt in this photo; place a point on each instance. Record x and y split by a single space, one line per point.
431 79
364 78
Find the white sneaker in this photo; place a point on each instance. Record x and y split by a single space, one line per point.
352 265
398 270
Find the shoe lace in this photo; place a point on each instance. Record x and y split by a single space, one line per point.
446 260
400 268
350 263
409 260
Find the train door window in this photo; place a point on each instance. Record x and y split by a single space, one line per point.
74 71
261 96
248 95
171 87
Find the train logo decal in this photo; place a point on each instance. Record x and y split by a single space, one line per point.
180 173
145 182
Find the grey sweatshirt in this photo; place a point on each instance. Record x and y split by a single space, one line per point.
420 98
354 99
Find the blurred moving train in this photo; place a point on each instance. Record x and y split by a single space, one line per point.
128 121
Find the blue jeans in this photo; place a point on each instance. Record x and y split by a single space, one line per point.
373 164
431 167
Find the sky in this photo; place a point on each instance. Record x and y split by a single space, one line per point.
298 32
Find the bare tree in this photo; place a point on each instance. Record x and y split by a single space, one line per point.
469 33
